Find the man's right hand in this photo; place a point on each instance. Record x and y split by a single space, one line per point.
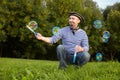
45 39
39 36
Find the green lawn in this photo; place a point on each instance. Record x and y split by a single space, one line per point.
23 69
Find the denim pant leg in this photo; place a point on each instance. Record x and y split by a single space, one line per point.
69 59
82 58
61 55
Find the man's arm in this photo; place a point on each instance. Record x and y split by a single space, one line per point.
85 43
51 40
84 46
45 39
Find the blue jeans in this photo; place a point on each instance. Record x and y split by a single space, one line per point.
66 58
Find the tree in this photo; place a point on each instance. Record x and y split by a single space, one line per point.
113 23
111 17
15 15
20 42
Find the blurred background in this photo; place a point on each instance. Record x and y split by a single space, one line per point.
16 41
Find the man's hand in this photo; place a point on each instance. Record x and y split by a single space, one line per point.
39 36
79 49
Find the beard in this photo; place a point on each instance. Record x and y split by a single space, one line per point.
71 24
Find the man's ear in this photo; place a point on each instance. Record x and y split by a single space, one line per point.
79 21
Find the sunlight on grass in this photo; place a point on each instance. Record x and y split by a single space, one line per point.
23 69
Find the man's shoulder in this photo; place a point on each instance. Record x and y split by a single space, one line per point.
66 27
83 31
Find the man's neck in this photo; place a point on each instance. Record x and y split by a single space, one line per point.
74 28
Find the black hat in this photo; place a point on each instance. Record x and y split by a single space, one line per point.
77 15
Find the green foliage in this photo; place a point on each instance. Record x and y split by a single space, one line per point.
112 19
22 69
14 17
113 23
20 42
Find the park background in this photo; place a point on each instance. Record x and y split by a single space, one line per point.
16 41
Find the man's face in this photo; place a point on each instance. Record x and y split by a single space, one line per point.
74 21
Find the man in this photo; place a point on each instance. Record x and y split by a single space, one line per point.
74 40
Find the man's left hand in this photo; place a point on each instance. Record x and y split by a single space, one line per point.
79 49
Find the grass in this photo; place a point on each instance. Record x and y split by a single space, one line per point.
23 69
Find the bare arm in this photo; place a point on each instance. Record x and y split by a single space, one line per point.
45 39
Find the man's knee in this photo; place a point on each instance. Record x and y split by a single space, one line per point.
83 58
60 47
86 56
61 52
